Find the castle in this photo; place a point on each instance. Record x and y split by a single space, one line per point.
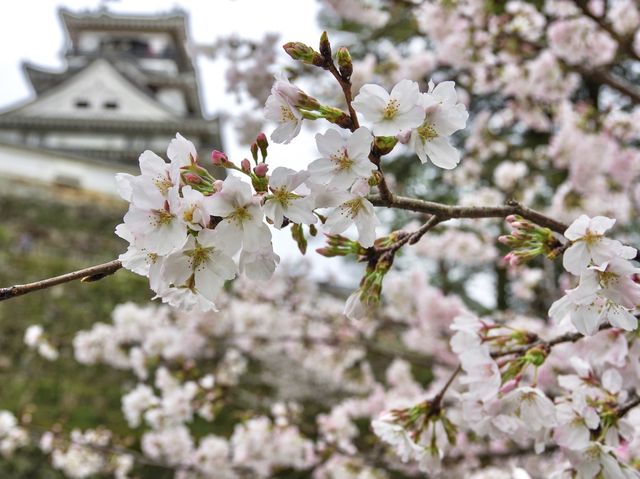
129 85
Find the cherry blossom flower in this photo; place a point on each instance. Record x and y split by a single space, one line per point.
203 264
283 202
242 215
259 264
387 429
606 293
390 113
575 421
157 230
590 246
280 109
343 159
353 208
444 116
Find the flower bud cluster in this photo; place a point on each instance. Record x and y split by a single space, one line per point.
527 241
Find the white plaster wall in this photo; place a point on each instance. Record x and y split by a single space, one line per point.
173 98
98 84
21 163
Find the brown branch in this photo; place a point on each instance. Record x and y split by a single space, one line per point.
606 78
624 409
536 342
436 402
94 273
445 212
348 96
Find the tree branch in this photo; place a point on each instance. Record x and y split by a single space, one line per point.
624 409
563 338
445 212
94 273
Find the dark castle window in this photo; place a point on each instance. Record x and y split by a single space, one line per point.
110 105
82 103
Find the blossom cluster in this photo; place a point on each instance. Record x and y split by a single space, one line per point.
608 290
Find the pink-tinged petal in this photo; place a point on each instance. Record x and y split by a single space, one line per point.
600 224
407 93
286 132
578 228
359 144
124 185
445 93
300 211
255 235
442 154
152 165
576 258
208 283
370 100
587 319
259 265
338 220
181 151
620 317
273 211
222 265
330 143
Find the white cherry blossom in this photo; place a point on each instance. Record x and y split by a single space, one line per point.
353 208
396 436
589 246
280 110
343 159
390 113
443 117
157 230
284 202
605 293
203 264
242 216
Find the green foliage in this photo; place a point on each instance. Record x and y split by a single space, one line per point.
40 239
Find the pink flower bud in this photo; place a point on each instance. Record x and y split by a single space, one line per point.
192 178
261 170
510 218
503 239
245 165
512 259
509 386
403 137
218 158
262 138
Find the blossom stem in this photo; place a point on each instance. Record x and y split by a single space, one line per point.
93 273
437 400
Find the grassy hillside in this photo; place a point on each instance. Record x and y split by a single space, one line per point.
40 238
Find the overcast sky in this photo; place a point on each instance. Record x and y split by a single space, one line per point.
31 30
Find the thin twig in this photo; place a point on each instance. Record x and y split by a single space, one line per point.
437 400
563 338
94 273
624 409
346 90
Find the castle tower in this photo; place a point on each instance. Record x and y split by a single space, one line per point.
129 85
